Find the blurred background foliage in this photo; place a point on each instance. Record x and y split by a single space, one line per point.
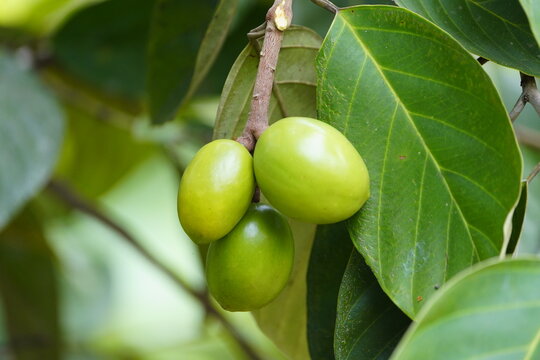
64 274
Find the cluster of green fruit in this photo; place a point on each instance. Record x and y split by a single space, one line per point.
305 168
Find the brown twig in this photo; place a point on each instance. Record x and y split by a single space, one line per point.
63 192
530 94
327 5
533 173
278 19
528 137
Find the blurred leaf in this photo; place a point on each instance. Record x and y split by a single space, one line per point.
489 312
37 16
28 287
532 9
368 324
211 43
517 219
284 320
105 45
443 161
31 127
497 30
96 153
329 256
295 81
249 15
175 70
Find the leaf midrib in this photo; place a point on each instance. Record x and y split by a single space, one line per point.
400 102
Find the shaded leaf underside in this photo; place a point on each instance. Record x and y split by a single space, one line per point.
368 324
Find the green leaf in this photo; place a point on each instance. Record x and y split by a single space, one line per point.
212 42
443 161
175 70
294 90
497 30
489 312
31 128
28 289
532 9
329 256
368 324
105 44
284 319
517 219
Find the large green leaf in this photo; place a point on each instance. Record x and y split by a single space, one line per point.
284 319
294 90
490 312
532 9
175 70
329 256
105 45
28 289
31 128
497 30
368 324
92 169
443 161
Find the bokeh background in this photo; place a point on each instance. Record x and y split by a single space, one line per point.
113 304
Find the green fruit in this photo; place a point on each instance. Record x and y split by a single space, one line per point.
250 266
309 171
216 190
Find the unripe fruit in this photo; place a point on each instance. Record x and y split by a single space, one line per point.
309 171
216 190
250 266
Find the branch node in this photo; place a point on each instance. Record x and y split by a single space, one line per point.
281 14
529 94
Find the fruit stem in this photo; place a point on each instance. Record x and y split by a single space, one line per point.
278 19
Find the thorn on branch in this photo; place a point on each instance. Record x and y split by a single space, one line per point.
327 5
529 94
482 60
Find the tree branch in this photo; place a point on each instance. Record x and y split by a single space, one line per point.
533 173
327 5
67 195
278 19
530 94
528 137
